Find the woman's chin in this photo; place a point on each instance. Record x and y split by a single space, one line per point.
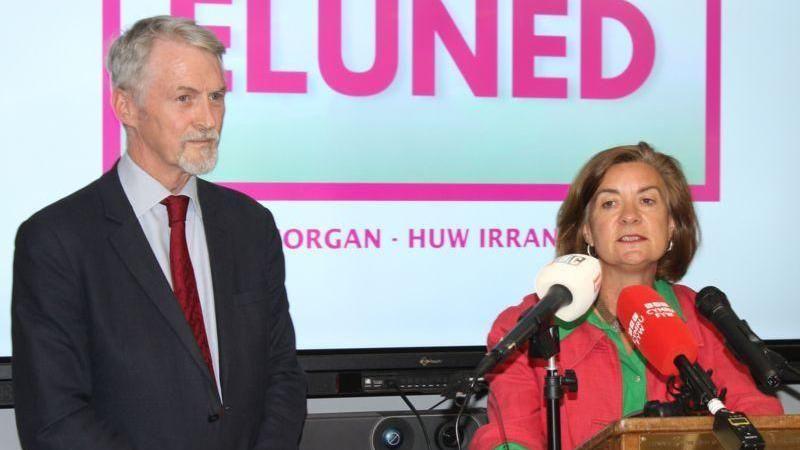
633 261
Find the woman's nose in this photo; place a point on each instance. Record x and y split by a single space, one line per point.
630 214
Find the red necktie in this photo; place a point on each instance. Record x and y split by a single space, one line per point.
183 281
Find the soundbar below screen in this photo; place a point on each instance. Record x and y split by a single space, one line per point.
415 166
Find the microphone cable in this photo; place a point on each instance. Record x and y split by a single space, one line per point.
403 396
792 369
469 392
464 403
786 387
438 403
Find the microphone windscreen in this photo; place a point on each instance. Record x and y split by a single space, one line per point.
580 274
655 328
711 300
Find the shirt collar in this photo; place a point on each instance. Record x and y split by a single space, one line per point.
588 330
144 192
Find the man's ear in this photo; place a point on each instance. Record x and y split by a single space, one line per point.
125 107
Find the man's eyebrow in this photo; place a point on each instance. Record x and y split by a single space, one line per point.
187 88
195 91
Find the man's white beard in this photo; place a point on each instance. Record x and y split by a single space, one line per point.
200 160
203 160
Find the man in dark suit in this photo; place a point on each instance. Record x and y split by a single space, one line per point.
149 308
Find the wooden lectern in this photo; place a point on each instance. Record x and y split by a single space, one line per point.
779 432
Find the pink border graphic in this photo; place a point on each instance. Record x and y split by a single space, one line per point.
710 191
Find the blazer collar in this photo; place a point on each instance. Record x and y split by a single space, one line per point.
223 272
116 205
583 339
131 245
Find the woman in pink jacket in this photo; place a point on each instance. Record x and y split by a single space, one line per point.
630 207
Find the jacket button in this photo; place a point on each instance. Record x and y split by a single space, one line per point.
228 409
213 418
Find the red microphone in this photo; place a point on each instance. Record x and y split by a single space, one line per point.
665 341
655 328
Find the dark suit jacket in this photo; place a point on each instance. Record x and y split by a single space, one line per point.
103 357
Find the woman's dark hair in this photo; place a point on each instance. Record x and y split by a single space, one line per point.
573 212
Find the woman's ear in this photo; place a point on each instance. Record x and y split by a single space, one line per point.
587 234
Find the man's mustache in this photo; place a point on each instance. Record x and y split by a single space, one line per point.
207 135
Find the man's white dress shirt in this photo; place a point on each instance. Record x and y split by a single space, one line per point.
145 194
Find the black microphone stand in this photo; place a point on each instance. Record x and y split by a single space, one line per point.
733 430
546 344
775 369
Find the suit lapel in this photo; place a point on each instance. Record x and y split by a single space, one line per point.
220 254
131 244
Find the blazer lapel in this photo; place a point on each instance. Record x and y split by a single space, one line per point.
133 248
220 254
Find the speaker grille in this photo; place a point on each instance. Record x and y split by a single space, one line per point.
390 430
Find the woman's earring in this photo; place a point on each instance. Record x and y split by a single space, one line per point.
670 246
589 250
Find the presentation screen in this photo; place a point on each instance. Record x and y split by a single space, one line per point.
415 153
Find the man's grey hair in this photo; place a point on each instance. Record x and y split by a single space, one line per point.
129 54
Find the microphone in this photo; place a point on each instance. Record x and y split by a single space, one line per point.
748 348
566 287
665 340
655 328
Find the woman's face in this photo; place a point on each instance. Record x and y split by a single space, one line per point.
629 224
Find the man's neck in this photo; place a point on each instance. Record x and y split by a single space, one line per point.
173 179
